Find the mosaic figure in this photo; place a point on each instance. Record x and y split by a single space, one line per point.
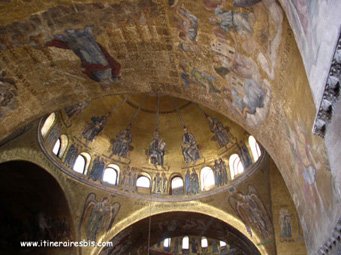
205 80
215 247
245 156
93 128
98 216
71 155
223 171
157 183
249 97
306 167
185 77
217 173
97 169
285 224
176 247
190 150
194 246
129 179
97 63
252 212
157 149
164 183
227 20
221 133
188 182
188 24
121 144
194 182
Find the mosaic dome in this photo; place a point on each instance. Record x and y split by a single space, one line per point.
149 144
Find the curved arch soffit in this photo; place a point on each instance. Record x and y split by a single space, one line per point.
193 207
24 154
55 179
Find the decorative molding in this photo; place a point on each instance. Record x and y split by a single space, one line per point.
330 246
330 94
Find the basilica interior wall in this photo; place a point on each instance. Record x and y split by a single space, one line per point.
288 231
159 55
130 208
33 207
316 27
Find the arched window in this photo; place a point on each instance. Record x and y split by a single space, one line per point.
166 242
48 124
82 163
143 182
111 174
222 244
60 146
177 185
207 178
256 152
63 145
236 166
204 242
56 147
79 165
185 243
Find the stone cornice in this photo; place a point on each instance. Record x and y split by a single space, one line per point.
328 248
330 94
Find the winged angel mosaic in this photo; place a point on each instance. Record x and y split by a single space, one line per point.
98 216
252 212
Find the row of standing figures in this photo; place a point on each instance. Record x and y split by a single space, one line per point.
121 145
189 147
156 151
160 182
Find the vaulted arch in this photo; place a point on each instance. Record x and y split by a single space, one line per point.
33 208
251 73
195 222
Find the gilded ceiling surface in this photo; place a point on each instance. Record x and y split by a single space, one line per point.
180 224
212 48
238 58
141 116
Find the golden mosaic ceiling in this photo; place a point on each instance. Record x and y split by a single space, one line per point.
247 68
209 50
140 112
153 104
